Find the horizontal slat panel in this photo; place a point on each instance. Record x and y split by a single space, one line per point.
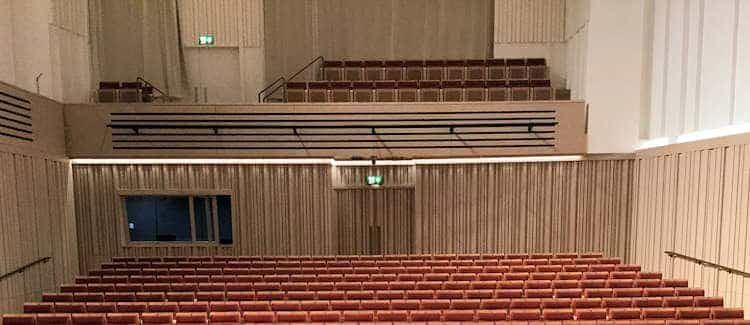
15 116
382 130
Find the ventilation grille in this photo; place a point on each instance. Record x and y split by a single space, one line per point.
15 117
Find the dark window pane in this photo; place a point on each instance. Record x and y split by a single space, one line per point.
158 218
173 223
141 217
224 207
204 223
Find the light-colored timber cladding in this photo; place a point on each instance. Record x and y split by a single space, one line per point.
692 198
302 209
36 211
15 115
388 130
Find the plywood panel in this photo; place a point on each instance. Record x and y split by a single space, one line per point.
280 210
693 199
36 213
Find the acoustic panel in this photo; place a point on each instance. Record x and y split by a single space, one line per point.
15 116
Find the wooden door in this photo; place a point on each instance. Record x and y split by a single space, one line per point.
375 221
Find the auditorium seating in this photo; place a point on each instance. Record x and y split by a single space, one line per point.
124 92
428 81
490 69
390 288
421 91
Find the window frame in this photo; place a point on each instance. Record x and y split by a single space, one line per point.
125 232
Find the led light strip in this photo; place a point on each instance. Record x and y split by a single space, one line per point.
495 160
138 161
406 162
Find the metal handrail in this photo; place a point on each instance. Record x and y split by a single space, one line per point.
269 86
320 57
286 80
707 263
165 95
275 89
22 268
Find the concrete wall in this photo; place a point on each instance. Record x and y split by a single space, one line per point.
48 37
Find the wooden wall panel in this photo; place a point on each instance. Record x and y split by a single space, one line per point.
524 207
309 130
235 23
36 213
355 176
391 210
693 199
529 21
279 209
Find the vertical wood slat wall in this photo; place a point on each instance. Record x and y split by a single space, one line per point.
235 23
291 210
281 210
524 207
695 202
529 21
392 209
36 221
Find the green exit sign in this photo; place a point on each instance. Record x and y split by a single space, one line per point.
206 39
375 180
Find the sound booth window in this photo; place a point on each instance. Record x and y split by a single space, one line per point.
179 218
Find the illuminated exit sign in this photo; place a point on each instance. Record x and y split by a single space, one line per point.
375 180
206 39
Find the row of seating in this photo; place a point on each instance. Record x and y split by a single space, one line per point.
614 279
376 315
389 263
396 257
513 69
125 92
356 304
646 285
422 91
346 274
598 293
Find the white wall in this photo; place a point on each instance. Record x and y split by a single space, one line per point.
48 37
613 74
576 37
700 66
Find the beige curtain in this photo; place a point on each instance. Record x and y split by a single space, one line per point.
137 38
300 30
